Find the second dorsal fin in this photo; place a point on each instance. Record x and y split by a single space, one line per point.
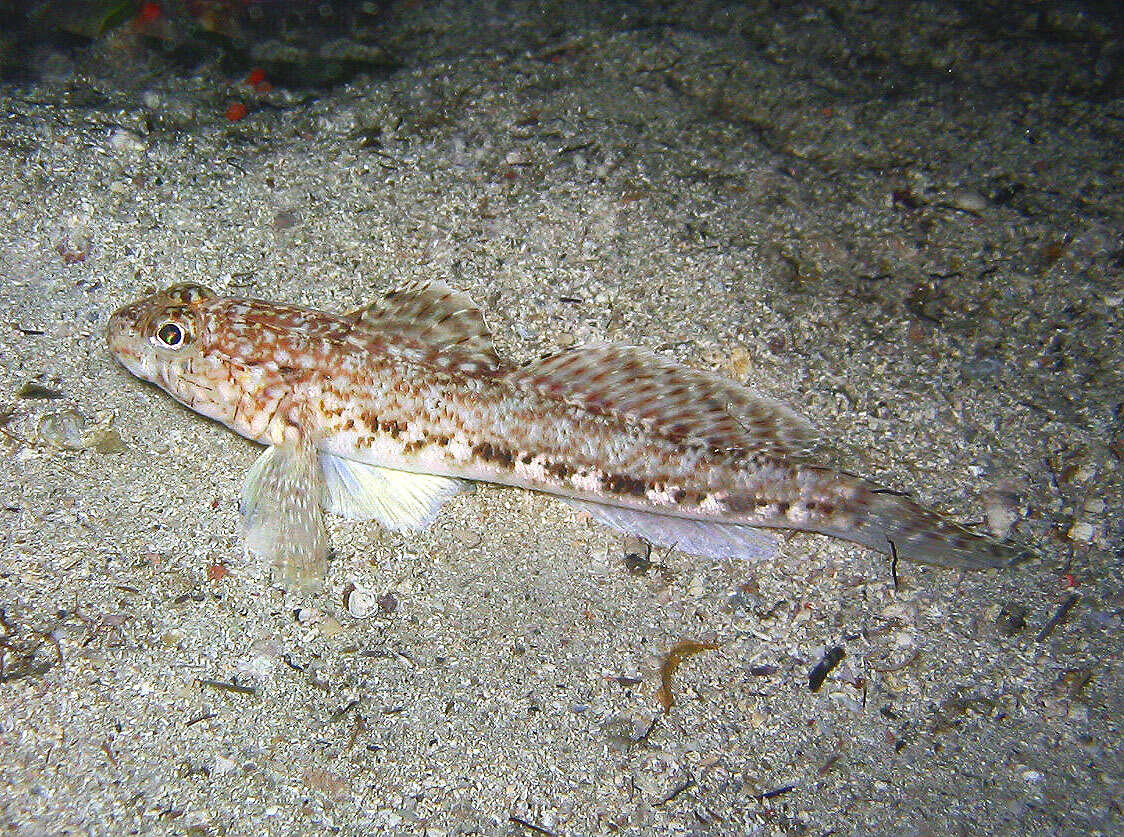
430 323
679 403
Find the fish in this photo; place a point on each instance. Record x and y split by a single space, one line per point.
387 412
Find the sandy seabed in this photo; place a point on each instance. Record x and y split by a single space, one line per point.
906 224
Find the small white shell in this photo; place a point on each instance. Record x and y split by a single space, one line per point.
361 602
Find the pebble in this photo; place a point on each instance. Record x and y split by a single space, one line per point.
1011 619
64 429
361 602
968 201
979 368
1001 508
70 430
1081 531
124 140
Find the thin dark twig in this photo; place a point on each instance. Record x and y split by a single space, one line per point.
893 562
538 829
1063 610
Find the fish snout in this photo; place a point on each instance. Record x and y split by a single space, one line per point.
124 336
123 324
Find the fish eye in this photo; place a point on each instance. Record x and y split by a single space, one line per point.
171 335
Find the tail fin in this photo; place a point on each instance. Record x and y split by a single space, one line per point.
896 525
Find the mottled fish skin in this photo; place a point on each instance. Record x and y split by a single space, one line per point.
412 384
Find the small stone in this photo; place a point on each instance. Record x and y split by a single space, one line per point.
360 602
105 440
329 626
981 367
126 141
658 776
637 555
739 363
1094 505
1011 619
697 587
71 430
64 429
1001 508
1081 531
968 201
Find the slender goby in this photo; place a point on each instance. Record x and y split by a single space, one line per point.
388 411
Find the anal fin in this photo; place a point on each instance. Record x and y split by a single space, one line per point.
399 500
281 516
696 537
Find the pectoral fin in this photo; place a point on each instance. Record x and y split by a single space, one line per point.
399 500
281 516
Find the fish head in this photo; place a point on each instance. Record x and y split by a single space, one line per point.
162 338
162 329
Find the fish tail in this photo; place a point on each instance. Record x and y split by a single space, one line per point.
896 525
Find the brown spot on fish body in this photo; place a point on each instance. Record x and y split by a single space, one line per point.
741 503
392 427
624 484
494 453
561 470
687 497
368 418
822 507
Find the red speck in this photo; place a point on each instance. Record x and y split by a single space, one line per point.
1069 580
73 249
148 13
217 571
235 111
262 87
256 77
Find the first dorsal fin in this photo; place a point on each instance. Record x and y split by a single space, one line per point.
682 404
432 324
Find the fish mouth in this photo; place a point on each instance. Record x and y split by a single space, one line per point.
124 338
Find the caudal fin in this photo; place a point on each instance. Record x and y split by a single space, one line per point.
896 525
